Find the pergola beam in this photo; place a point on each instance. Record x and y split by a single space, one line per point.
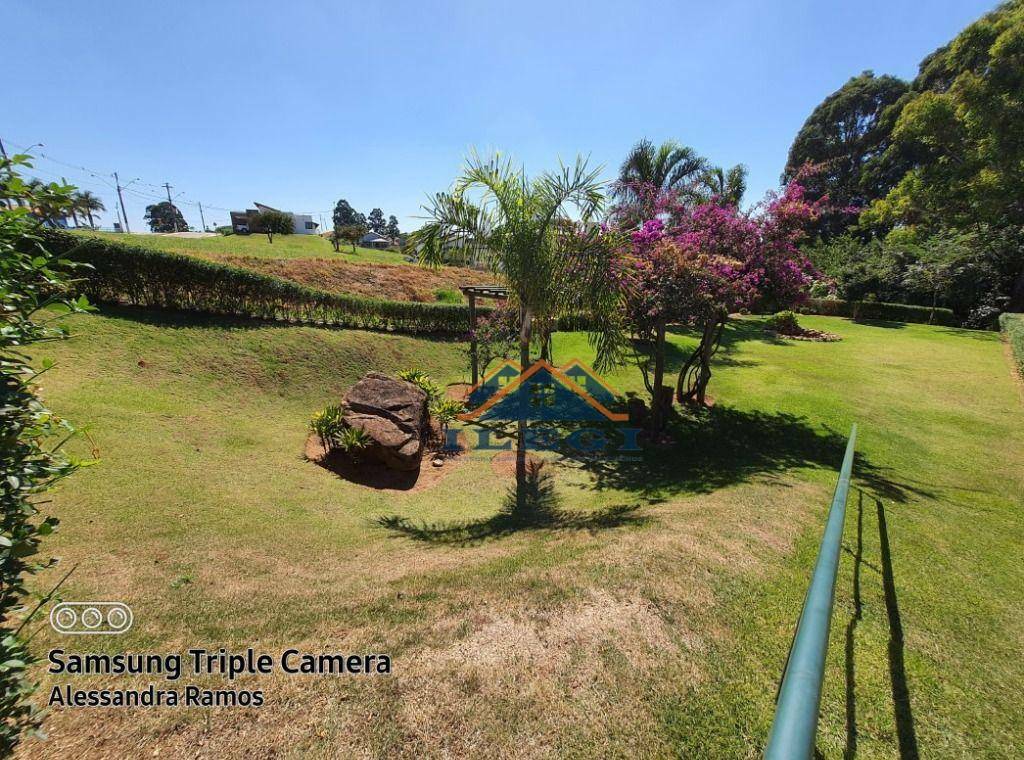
472 292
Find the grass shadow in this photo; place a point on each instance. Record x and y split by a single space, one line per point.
905 732
850 751
886 324
989 336
539 510
722 446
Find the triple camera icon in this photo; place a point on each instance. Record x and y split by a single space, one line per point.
91 618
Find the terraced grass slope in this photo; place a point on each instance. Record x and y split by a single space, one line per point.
650 617
283 247
311 260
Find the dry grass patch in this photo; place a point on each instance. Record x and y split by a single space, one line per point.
394 282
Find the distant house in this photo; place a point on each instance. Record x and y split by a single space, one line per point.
303 224
373 240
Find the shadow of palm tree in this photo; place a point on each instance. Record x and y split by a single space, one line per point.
538 510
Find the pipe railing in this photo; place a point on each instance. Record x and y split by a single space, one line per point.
799 699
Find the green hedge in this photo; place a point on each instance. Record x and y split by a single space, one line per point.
140 276
1013 326
895 312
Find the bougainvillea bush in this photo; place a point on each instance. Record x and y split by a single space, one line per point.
695 264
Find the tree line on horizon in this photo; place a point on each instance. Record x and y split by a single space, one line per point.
925 179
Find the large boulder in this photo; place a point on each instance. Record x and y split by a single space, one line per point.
393 413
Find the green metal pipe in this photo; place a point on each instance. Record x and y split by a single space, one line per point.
796 714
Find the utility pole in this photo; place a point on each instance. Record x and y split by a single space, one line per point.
170 203
201 217
124 213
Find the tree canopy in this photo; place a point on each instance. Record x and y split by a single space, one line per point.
846 138
962 129
272 223
344 215
375 221
165 217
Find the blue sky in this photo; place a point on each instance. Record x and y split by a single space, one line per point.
298 104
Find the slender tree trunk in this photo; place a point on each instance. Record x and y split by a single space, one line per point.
707 349
524 361
89 212
696 372
74 218
658 410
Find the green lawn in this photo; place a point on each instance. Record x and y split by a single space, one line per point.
283 247
652 618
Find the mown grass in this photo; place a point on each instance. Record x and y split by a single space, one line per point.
283 247
658 633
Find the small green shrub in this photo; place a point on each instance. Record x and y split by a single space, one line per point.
352 440
784 322
328 425
422 380
445 410
1012 326
447 295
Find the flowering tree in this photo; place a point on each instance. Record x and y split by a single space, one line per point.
693 265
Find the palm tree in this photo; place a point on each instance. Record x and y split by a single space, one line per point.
727 186
88 204
669 166
540 236
43 203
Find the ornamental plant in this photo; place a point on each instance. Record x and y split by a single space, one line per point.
35 288
695 264
422 380
328 424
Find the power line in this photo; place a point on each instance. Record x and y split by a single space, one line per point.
102 176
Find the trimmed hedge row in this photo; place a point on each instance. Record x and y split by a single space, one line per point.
140 276
1013 326
894 312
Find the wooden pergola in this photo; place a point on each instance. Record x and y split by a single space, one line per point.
473 292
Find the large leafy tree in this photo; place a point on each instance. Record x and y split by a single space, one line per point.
375 221
846 139
392 230
540 235
961 128
165 217
272 223
347 233
344 215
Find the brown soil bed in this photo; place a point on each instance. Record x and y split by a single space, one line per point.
395 282
377 476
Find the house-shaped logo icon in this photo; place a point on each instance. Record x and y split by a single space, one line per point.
574 393
492 383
